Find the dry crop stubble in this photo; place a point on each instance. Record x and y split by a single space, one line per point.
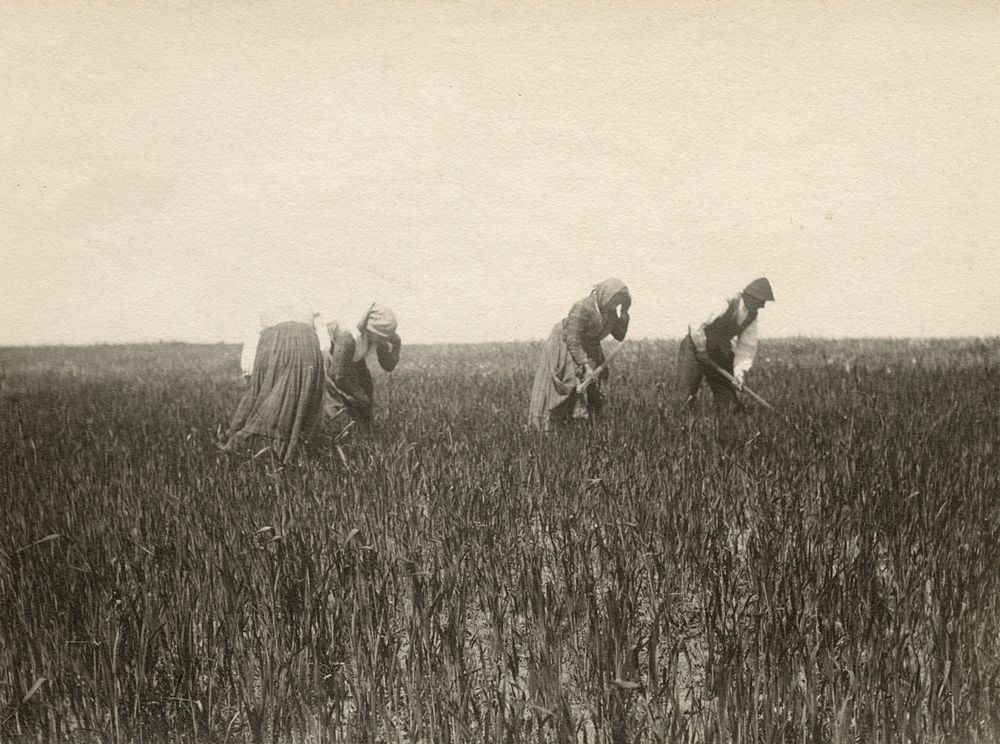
828 573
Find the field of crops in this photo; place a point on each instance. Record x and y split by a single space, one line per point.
826 573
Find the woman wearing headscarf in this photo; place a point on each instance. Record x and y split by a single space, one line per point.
573 353
283 364
727 340
350 390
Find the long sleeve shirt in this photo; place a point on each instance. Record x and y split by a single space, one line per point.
744 341
586 326
272 315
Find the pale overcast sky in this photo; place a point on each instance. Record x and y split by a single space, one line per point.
478 166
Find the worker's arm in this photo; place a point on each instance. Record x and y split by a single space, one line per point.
251 336
322 332
744 350
388 352
579 325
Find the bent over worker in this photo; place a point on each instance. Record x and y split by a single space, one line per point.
727 338
573 353
349 389
283 365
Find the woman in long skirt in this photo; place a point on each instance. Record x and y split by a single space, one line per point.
284 396
573 353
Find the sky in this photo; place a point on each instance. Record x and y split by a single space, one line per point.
166 167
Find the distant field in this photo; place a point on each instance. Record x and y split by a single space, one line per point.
826 573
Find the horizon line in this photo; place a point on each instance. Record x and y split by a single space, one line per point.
177 342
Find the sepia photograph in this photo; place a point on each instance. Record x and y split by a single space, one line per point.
459 371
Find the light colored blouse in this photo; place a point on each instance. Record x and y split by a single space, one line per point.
744 344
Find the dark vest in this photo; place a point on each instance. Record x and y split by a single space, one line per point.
720 332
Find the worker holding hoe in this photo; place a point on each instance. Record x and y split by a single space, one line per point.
299 367
572 364
722 348
350 391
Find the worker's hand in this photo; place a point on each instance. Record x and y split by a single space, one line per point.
739 379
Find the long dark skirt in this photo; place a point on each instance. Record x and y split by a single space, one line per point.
690 372
284 398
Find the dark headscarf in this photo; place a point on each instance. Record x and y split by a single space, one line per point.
606 291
